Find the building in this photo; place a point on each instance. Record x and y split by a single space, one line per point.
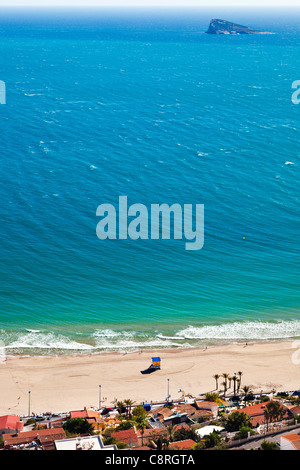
211 406
207 430
128 436
257 413
187 444
93 417
290 442
83 443
151 434
10 424
182 413
39 439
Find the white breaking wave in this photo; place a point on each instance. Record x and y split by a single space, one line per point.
34 340
135 345
107 333
111 340
255 330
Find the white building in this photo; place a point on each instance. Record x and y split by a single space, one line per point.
83 443
207 430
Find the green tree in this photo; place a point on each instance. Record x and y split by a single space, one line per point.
125 425
161 443
108 441
138 411
266 445
128 403
247 393
213 396
141 424
236 420
120 406
182 434
170 429
212 440
75 426
274 411
243 433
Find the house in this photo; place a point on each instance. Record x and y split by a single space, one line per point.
151 434
211 406
176 418
290 442
36 439
164 414
10 424
79 414
128 436
295 410
257 413
83 443
93 417
187 444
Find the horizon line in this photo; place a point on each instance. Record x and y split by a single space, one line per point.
156 7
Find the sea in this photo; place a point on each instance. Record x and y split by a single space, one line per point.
142 103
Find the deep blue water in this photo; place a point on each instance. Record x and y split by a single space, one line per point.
146 105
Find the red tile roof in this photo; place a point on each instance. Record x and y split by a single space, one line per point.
294 439
43 435
295 410
11 422
78 414
186 444
129 436
206 404
256 413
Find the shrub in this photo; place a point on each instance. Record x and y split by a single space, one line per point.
244 432
237 420
266 445
76 426
125 425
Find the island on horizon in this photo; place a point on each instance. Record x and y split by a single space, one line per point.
218 26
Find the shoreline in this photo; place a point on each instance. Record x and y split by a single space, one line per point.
63 383
153 351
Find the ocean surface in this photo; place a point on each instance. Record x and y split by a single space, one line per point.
146 105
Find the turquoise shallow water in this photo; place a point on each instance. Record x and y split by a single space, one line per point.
150 107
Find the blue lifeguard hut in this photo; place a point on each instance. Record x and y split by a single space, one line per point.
156 363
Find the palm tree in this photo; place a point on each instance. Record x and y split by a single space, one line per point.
128 403
216 377
225 376
225 387
230 379
234 378
240 373
120 406
247 391
170 429
141 424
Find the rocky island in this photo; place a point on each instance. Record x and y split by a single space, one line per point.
226 27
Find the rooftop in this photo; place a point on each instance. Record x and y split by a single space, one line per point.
11 422
42 435
186 444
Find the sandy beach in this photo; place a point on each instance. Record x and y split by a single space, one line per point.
64 383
